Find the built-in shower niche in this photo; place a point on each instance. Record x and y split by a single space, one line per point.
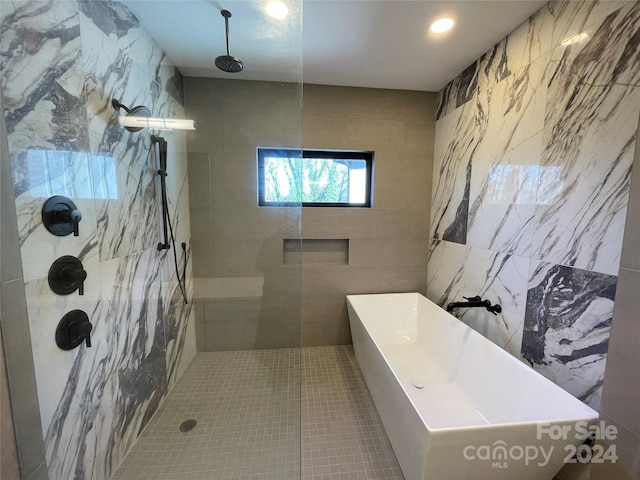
320 251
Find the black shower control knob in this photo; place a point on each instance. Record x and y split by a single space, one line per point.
67 275
61 216
71 275
73 329
81 330
74 277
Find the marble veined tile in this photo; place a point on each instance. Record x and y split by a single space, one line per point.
43 85
111 389
527 43
116 22
134 85
455 144
505 173
45 309
179 325
588 145
445 270
129 222
562 21
586 161
107 73
167 104
493 67
121 62
457 271
175 86
604 53
458 92
65 140
39 174
567 326
554 23
112 18
489 69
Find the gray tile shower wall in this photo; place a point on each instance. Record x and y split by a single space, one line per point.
621 389
534 145
248 297
64 139
388 242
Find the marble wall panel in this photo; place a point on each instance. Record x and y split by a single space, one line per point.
534 148
567 326
452 174
593 102
457 271
62 64
505 171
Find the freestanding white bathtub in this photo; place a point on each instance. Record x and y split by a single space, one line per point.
454 405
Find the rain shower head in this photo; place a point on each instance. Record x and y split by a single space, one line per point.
228 63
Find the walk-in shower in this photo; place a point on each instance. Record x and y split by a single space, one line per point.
169 244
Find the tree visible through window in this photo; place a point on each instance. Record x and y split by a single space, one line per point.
314 178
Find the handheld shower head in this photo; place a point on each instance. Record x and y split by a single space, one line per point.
228 63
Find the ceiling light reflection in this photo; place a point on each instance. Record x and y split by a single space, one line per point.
277 10
575 39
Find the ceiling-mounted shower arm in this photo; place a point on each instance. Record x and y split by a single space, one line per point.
227 15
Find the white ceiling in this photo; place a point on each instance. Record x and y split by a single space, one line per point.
364 43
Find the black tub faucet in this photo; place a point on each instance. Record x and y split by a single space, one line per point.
473 302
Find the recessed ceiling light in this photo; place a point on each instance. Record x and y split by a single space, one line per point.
277 10
441 25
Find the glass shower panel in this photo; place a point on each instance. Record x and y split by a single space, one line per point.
228 358
247 290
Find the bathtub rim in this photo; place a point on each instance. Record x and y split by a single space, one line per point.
592 417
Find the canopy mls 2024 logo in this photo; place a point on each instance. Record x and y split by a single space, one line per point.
580 446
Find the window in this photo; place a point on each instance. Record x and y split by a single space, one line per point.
314 178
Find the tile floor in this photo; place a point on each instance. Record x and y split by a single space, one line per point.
253 407
342 435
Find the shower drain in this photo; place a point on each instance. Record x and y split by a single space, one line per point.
188 425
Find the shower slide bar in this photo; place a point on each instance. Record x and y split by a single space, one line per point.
162 172
167 228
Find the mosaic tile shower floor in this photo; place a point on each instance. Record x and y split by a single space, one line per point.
247 405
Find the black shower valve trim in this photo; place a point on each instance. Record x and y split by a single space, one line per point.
61 216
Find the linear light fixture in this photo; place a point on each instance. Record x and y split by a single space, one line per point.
139 117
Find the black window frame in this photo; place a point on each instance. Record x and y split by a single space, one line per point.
365 155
